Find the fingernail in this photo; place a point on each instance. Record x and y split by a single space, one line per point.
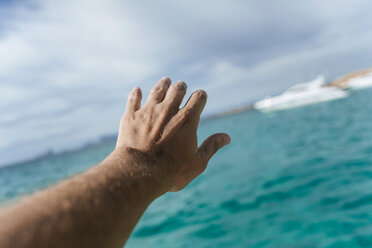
183 84
201 94
227 139
166 79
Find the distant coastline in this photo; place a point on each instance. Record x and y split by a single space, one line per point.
111 138
342 82
105 139
232 111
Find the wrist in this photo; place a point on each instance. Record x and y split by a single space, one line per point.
147 169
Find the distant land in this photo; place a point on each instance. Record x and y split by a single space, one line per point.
342 82
232 111
111 138
105 139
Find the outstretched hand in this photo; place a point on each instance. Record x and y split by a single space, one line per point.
160 128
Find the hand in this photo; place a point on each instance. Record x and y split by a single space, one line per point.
164 131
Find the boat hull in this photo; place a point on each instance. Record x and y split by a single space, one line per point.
289 101
360 83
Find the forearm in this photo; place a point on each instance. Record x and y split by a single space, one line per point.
98 208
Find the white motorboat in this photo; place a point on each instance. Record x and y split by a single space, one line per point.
301 95
360 82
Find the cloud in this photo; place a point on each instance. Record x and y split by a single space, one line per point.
66 66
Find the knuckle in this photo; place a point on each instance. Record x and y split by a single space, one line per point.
186 114
168 109
126 117
182 117
180 86
166 80
133 97
161 110
216 146
203 167
137 92
158 88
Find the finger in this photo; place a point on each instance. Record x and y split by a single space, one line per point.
191 111
158 92
134 100
195 104
175 95
211 145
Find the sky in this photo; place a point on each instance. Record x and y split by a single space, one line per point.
66 67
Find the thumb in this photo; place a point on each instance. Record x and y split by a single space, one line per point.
212 144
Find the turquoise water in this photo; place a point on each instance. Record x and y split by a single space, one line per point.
299 178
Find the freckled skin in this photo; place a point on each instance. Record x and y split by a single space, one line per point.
156 152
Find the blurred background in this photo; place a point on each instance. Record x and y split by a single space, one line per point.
295 178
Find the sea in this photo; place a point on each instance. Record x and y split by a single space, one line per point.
297 178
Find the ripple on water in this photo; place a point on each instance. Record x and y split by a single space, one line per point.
298 191
327 201
361 201
364 240
356 163
170 224
236 206
210 231
331 228
277 181
291 225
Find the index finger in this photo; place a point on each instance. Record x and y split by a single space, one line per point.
196 103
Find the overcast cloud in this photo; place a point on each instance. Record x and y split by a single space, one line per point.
66 66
